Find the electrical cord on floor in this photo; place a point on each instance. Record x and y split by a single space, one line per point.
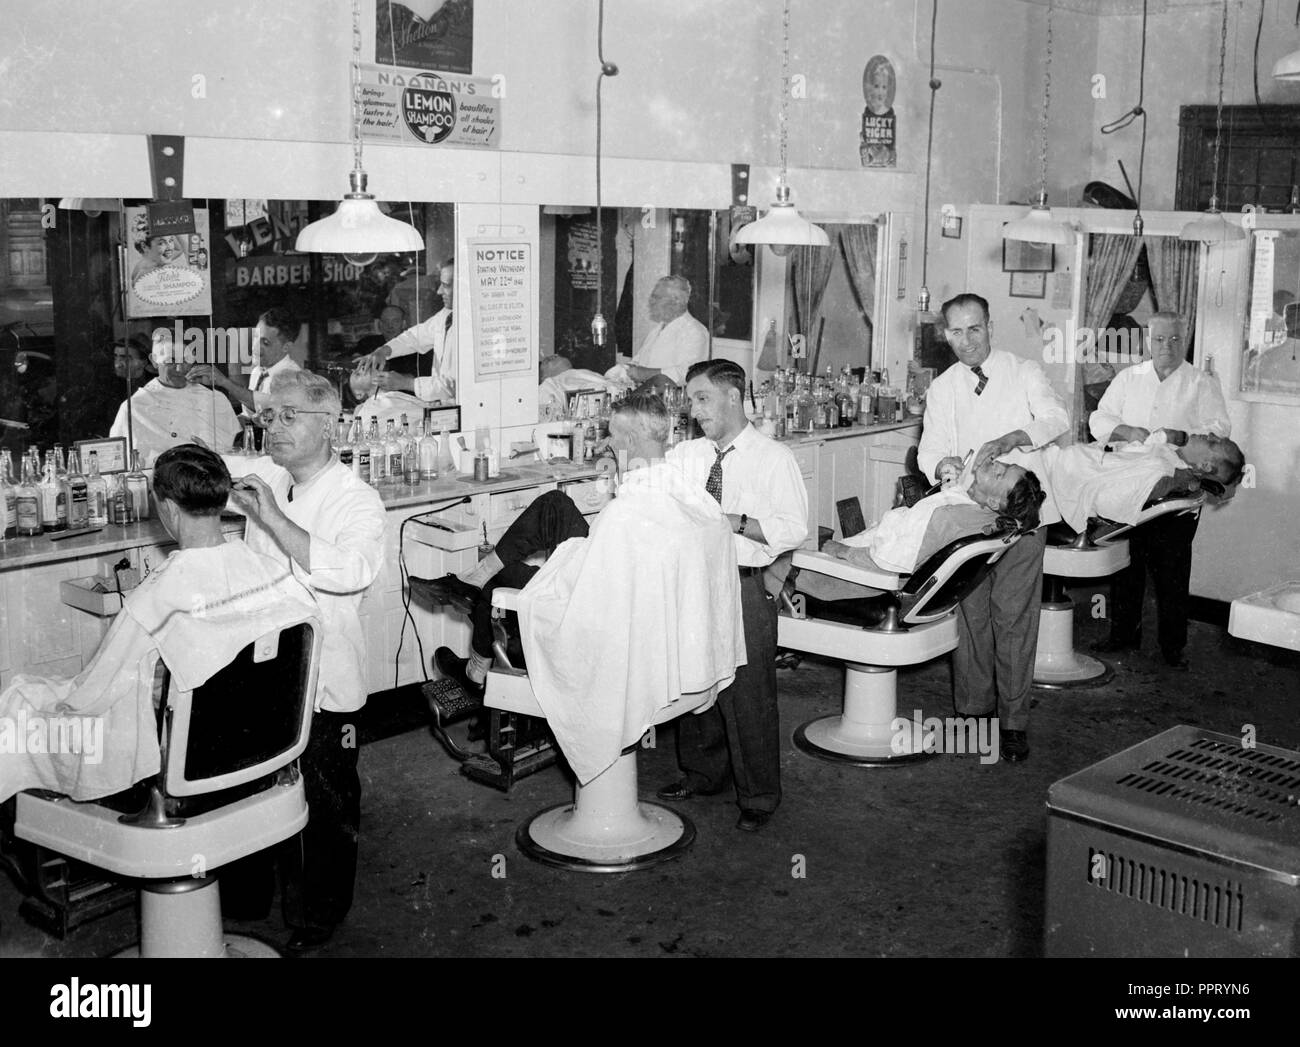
406 590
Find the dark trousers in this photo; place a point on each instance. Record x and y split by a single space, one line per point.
318 867
997 636
546 523
1165 547
740 736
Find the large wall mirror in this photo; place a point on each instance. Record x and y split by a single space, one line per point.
1270 362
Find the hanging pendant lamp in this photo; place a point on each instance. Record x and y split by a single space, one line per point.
1038 226
783 226
1212 227
358 227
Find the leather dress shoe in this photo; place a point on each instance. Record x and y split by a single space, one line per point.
1015 746
683 790
1114 644
305 939
446 662
751 821
446 590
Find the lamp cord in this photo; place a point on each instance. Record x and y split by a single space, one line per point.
1133 114
929 150
356 84
1218 113
606 69
783 123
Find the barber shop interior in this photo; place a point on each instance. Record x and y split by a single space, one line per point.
732 478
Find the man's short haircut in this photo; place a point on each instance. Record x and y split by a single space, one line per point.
722 373
395 308
1023 501
447 263
964 299
193 477
1232 462
648 413
320 392
1167 316
679 286
280 319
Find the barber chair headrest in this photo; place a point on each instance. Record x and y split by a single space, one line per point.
947 577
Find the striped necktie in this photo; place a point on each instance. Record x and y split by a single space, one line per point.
714 483
983 379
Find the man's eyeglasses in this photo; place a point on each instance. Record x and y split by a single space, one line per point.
285 414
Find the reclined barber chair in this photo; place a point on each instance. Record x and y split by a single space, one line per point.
1096 553
228 787
605 829
909 620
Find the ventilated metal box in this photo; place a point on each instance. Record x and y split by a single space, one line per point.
1185 845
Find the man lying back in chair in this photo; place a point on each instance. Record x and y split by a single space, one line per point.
967 504
198 610
1114 481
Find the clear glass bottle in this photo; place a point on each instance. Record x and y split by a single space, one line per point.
137 490
27 504
342 445
378 454
446 464
96 495
78 509
54 498
393 451
427 454
8 498
360 451
411 453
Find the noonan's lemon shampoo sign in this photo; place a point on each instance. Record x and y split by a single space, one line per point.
423 108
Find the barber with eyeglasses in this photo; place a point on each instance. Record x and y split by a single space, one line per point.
1163 397
309 511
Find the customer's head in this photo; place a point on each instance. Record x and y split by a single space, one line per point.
715 390
638 427
1011 491
1214 458
189 483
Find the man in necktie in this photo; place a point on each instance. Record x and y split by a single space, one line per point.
758 484
993 402
675 339
273 338
433 341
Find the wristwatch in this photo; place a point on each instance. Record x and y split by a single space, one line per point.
744 522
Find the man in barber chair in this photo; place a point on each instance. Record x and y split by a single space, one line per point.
207 601
1166 395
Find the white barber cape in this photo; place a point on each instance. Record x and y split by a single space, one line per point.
1087 480
905 537
198 610
619 625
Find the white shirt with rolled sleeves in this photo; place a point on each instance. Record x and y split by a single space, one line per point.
436 337
1189 400
259 382
674 346
760 479
163 417
345 519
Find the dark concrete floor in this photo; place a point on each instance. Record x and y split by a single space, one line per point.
939 858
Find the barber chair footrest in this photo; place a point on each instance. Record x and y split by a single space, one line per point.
653 836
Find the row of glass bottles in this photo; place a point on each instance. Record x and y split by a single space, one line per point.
394 457
798 403
58 496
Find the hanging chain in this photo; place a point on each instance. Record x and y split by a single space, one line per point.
785 85
356 84
1218 114
1047 101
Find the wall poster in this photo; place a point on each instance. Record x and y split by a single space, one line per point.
878 144
166 275
426 34
501 297
415 107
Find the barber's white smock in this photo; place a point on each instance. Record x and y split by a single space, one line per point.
163 417
1087 480
1189 400
621 624
435 337
198 610
674 346
345 519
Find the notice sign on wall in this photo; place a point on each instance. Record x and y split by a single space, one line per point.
421 108
501 295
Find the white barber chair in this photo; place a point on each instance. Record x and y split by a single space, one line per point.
1098 552
606 828
918 622
228 787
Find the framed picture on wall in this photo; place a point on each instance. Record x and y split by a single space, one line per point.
1028 285
1020 257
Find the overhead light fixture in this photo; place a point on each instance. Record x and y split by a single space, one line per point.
599 326
783 226
1212 227
93 207
358 227
923 313
1038 226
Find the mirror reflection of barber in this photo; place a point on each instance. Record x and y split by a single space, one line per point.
675 339
434 340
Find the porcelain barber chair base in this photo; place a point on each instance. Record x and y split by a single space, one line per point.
868 732
1094 554
207 749
606 828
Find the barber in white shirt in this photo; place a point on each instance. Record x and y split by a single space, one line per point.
675 340
273 338
992 402
758 484
1164 394
435 339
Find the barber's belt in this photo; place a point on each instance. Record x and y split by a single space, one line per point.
751 572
